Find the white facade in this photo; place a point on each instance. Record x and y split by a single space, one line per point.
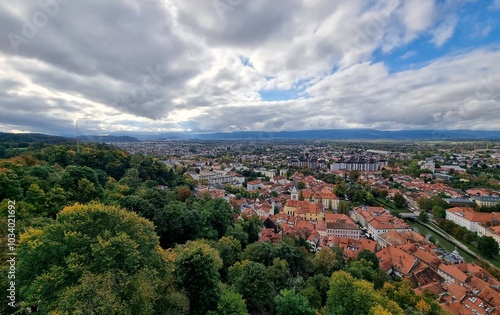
493 232
459 218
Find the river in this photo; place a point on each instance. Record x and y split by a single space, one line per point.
440 241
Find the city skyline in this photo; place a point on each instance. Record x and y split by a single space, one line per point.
220 66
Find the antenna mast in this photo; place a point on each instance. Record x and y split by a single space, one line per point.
77 138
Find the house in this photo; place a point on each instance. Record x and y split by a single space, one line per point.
383 224
255 184
395 238
342 226
451 274
469 218
394 260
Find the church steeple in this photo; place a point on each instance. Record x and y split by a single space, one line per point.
295 191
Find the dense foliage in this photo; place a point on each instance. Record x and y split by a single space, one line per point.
105 232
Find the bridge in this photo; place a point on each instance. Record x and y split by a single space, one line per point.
409 215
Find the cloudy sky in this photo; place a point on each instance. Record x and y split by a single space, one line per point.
154 66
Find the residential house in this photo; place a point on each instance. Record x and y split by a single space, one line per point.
451 274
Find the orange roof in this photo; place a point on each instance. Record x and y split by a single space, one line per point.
338 217
453 272
471 215
426 256
397 259
305 206
490 296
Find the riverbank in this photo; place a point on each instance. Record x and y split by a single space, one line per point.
440 240
434 228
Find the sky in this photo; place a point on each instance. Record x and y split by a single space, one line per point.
153 66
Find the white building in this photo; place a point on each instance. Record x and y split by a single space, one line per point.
468 217
493 231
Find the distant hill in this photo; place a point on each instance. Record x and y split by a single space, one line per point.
32 137
108 139
330 134
39 137
339 134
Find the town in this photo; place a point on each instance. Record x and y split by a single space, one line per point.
365 196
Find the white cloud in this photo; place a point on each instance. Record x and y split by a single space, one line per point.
175 65
444 31
418 15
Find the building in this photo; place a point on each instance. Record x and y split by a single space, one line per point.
325 196
255 184
459 202
451 274
394 238
469 218
215 178
493 231
487 201
268 173
358 164
342 226
304 209
378 221
396 261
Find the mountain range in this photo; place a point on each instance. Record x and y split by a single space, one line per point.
331 134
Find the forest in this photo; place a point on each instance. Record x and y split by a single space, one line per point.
101 231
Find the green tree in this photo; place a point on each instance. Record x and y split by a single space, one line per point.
230 303
340 189
321 285
422 216
487 246
369 256
279 274
217 214
399 200
344 207
250 280
87 245
262 252
290 303
438 212
361 269
81 184
327 261
182 193
348 296
229 251
197 273
351 296
354 175
238 233
36 197
10 188
176 224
